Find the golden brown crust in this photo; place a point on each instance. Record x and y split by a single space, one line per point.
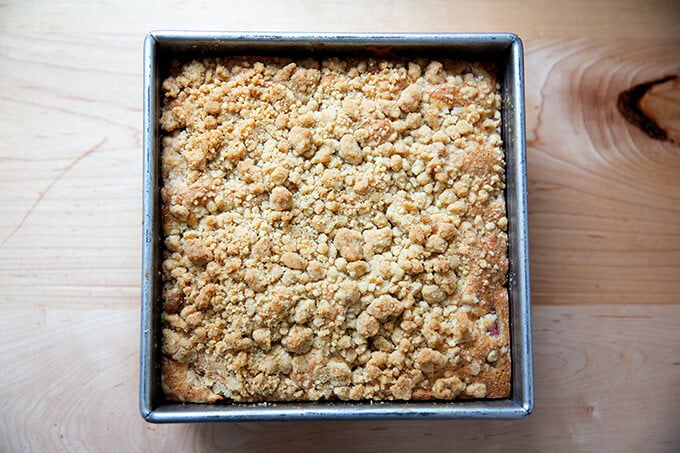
181 384
333 229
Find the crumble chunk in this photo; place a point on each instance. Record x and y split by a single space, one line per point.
334 229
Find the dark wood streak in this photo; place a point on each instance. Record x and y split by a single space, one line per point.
628 104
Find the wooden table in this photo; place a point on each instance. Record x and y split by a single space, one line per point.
604 218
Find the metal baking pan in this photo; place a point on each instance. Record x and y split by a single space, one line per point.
505 50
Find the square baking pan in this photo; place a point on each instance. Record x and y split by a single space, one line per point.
503 49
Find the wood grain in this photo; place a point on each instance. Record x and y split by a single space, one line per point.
603 377
604 213
661 104
604 198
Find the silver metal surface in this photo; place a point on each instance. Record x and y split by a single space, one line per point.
505 49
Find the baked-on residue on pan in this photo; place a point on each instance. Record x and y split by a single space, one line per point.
333 229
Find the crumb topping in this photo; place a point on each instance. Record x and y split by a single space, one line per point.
333 229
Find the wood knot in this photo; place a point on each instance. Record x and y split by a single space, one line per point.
654 107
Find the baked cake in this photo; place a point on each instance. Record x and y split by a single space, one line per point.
333 229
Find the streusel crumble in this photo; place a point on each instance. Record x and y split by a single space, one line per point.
333 229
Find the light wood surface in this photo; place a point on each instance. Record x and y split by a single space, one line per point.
604 218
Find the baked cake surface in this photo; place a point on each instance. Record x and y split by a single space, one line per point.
333 229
